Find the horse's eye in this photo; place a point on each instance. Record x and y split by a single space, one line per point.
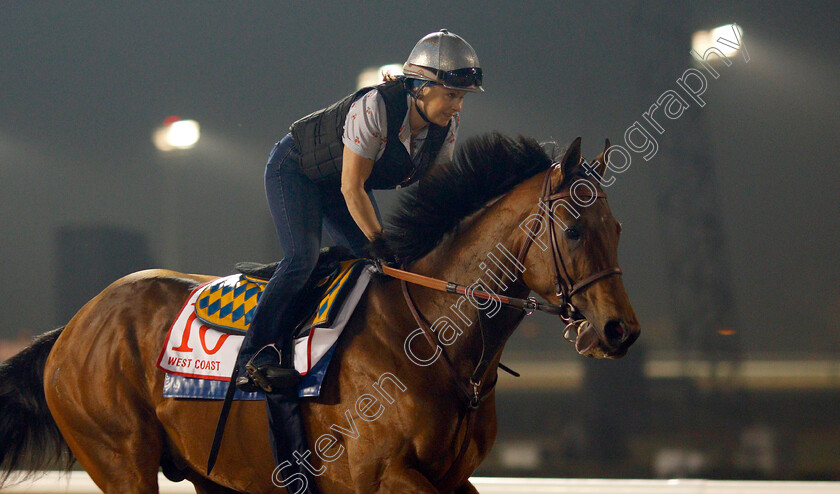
572 233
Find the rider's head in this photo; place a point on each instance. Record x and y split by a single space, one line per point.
441 68
446 59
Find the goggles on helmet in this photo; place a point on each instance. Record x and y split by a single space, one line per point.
470 76
465 78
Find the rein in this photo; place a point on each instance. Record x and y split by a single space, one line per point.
529 305
565 289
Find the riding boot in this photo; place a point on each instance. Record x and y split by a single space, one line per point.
288 443
284 375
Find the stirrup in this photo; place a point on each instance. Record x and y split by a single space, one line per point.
268 377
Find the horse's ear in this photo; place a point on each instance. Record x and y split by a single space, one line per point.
600 163
571 160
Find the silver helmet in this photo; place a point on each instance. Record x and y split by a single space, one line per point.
447 59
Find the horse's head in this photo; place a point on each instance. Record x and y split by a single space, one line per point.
570 254
566 239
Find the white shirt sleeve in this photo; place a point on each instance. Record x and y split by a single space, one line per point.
448 147
366 127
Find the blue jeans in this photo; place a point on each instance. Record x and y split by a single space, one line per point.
299 207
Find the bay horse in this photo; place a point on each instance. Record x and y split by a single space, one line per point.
92 387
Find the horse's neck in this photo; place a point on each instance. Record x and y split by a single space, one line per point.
479 255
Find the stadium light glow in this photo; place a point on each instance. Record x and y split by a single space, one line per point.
703 40
176 133
372 76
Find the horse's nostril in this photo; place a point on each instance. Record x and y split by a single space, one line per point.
615 331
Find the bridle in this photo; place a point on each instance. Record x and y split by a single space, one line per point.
564 287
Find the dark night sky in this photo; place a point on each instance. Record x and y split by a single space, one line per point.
82 85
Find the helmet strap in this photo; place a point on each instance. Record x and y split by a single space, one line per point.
414 95
422 115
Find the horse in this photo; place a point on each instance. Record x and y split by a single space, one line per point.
392 415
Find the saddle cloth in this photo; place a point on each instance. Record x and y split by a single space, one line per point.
198 356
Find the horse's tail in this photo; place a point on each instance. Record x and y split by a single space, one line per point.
29 436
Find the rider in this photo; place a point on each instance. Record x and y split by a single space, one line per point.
327 167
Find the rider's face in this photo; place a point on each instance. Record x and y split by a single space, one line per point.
440 103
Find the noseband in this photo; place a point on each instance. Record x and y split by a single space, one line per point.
565 288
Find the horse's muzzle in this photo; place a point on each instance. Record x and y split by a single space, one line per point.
616 340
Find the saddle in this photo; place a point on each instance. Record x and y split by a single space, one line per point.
228 304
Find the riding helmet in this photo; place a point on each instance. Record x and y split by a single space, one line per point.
447 59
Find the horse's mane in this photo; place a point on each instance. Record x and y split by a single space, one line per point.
483 168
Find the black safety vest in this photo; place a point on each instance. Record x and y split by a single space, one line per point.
318 139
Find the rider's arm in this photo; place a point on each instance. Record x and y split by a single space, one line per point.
364 140
355 170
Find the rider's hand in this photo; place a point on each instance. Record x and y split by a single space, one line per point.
379 250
